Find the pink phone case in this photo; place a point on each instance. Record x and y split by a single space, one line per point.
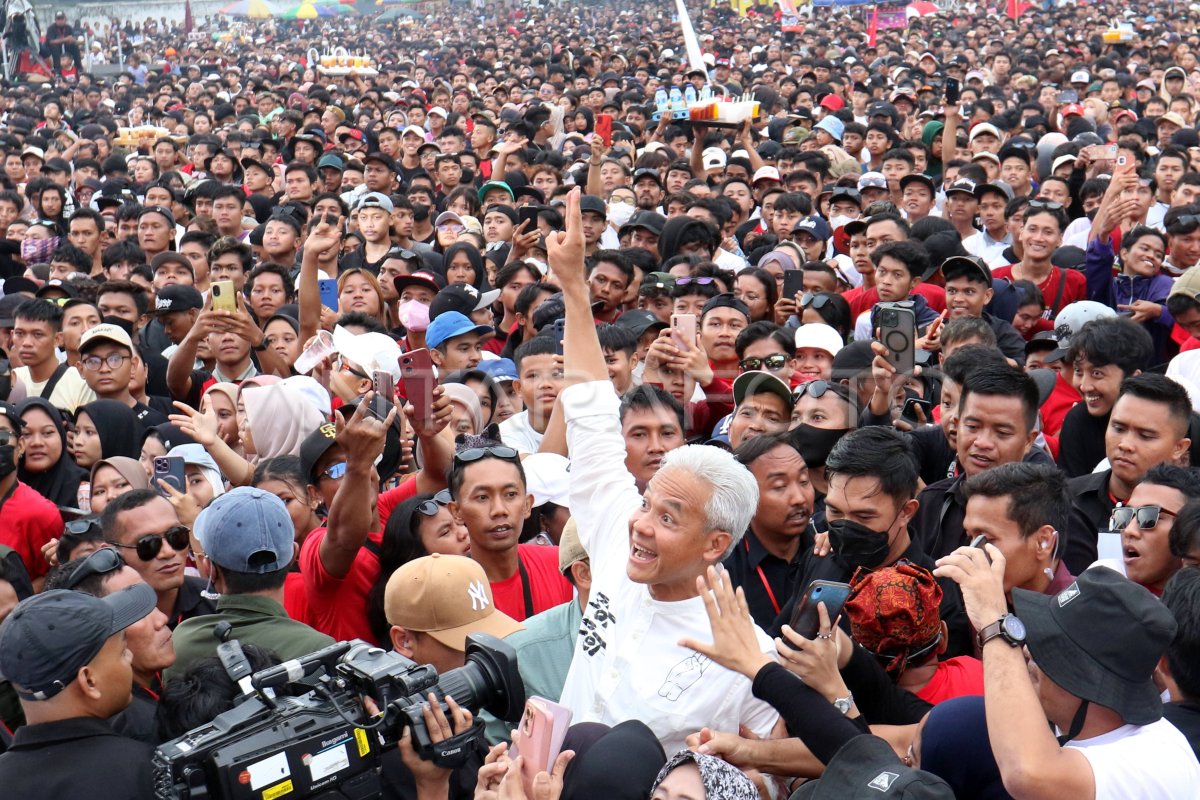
540 734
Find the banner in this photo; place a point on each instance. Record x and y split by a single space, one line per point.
892 19
789 19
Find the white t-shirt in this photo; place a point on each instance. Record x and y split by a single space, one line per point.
517 433
628 663
1147 762
69 393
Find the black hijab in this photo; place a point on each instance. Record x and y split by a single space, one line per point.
60 483
120 432
620 764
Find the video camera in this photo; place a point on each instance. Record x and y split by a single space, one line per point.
317 741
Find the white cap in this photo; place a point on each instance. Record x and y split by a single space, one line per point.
1067 158
765 174
714 157
547 478
819 337
982 128
1080 76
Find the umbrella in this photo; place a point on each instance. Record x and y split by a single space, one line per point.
254 9
920 9
308 9
396 12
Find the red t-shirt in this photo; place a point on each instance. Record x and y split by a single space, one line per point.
338 606
548 588
1055 409
29 521
955 677
1074 290
863 298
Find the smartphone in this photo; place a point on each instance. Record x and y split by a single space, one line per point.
604 124
539 736
793 283
416 370
329 293
806 619
224 296
560 330
684 328
978 542
1068 96
529 214
169 469
953 90
898 333
1107 151
1122 160
909 412
384 385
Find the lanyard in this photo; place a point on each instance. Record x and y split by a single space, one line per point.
762 576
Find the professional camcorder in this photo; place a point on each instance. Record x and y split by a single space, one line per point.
300 730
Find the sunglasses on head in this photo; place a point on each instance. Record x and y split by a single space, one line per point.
1184 223
1045 205
697 281
476 453
816 300
772 362
149 546
814 389
428 508
1147 517
100 562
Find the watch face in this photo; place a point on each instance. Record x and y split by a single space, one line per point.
1014 628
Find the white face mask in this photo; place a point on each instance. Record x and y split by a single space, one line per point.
839 221
620 213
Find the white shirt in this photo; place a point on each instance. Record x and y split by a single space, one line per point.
729 261
990 250
628 663
1077 233
517 433
1154 217
1149 762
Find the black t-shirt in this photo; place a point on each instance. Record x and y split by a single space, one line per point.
1186 717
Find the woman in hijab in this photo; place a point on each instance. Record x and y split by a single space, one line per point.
222 399
103 429
113 477
466 415
462 263
953 744
931 135
619 764
694 776
46 466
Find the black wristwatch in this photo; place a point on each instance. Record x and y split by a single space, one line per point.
1009 627
258 348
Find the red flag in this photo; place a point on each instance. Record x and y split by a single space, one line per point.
189 22
1015 8
873 26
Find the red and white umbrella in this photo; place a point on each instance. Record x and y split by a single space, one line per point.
920 9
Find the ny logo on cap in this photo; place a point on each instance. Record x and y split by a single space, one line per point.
478 594
883 781
1068 594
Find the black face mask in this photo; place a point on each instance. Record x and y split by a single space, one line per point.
855 545
420 212
8 459
815 444
467 179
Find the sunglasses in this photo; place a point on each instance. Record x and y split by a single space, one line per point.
100 562
697 281
772 363
476 453
814 389
336 471
341 363
450 227
815 300
149 546
1045 205
1147 517
428 508
1184 223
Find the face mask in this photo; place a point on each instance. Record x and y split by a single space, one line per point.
8 459
839 221
815 444
37 251
468 178
855 545
620 213
414 315
420 212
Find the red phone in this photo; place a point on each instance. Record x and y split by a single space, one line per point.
604 128
416 370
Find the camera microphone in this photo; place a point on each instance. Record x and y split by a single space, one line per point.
294 669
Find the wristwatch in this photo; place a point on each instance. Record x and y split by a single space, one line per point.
258 348
1009 627
844 704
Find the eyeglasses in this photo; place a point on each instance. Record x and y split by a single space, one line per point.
476 453
773 363
149 546
450 227
816 300
1045 205
697 281
113 360
341 363
814 389
1146 516
100 562
335 472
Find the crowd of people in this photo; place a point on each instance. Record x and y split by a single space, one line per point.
479 337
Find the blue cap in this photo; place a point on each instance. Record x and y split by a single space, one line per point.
720 434
450 324
247 530
815 227
832 125
498 369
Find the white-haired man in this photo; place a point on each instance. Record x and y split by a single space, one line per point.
647 551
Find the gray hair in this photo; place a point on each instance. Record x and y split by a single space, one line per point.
734 490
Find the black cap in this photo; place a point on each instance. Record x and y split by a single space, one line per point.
639 320
589 202
867 767
177 297
726 300
958 266
314 446
161 210
650 220
646 172
917 177
463 298
381 158
51 636
853 359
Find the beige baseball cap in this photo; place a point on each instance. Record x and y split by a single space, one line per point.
104 332
448 597
1188 284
